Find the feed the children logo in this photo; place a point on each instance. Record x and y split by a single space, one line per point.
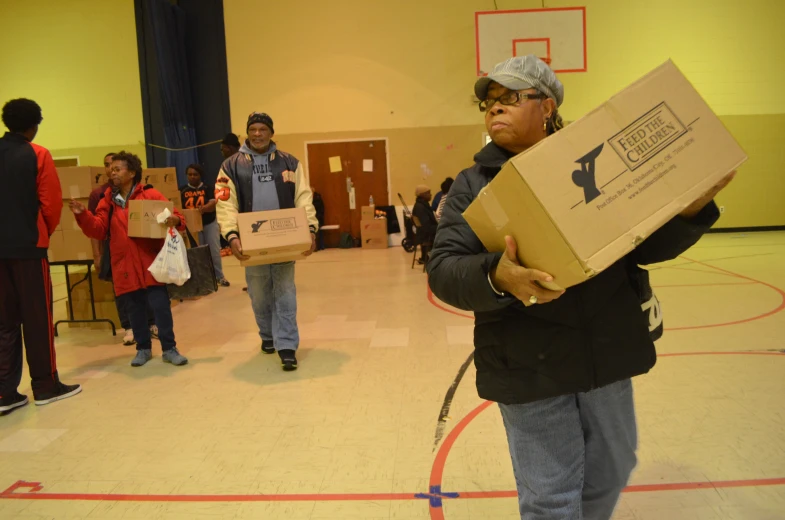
647 136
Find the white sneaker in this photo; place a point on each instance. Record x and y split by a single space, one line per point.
154 331
128 338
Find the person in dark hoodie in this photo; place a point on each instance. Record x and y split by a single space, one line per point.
262 178
230 145
31 199
559 366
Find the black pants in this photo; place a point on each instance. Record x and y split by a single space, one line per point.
136 303
122 313
26 302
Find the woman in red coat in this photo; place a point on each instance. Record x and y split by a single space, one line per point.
131 256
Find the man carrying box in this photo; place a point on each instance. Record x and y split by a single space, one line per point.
558 363
262 178
31 199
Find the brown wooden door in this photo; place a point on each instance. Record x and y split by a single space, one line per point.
333 185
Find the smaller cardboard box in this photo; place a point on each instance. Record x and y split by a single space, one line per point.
367 212
193 220
142 215
271 237
78 181
374 233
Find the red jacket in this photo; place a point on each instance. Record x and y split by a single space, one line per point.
130 256
31 198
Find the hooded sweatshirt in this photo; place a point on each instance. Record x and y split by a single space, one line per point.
265 196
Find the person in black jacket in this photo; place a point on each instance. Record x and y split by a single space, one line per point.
426 230
559 367
32 201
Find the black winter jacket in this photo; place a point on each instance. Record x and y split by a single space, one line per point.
594 335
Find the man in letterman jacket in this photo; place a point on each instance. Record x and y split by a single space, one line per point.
260 178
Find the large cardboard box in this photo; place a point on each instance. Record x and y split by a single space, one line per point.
586 196
374 233
142 221
164 180
99 179
56 246
67 217
83 311
69 244
193 220
271 237
80 289
78 181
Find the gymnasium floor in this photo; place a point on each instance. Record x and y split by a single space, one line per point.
352 433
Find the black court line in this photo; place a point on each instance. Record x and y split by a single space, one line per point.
441 422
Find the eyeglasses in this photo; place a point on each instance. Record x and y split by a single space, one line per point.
513 97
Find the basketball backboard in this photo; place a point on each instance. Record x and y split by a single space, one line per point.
557 35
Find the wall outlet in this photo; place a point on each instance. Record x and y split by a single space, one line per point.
722 209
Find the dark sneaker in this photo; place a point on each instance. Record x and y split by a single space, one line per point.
224 283
12 402
268 347
142 357
61 391
288 361
174 357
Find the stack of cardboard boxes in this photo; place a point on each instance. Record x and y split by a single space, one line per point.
373 230
165 181
68 242
105 307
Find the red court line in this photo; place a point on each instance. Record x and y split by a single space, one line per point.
315 497
778 309
437 470
647 488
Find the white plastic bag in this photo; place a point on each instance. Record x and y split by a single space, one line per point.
171 264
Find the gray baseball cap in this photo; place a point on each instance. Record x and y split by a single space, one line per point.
521 73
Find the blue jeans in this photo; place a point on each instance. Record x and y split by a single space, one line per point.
211 235
274 301
136 304
572 455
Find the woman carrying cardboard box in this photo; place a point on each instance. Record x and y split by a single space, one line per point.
558 363
131 256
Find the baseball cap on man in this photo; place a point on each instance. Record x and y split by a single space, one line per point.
421 189
521 73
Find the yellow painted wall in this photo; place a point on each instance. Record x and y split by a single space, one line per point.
78 60
370 68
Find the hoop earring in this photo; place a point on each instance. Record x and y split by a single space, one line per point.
545 126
